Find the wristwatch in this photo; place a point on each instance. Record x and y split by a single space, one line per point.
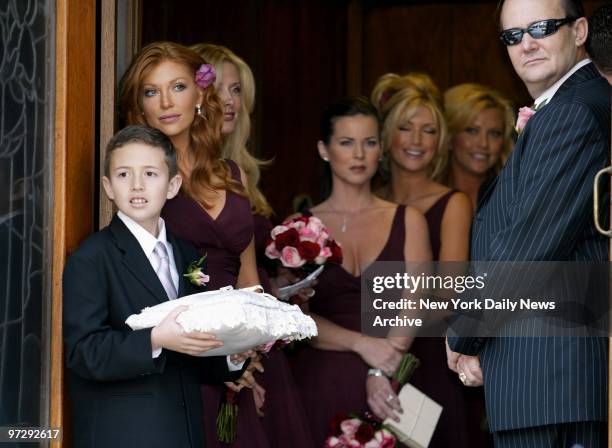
375 372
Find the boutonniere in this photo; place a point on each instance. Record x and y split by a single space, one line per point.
524 114
195 273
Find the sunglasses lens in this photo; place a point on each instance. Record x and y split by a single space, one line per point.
511 37
542 29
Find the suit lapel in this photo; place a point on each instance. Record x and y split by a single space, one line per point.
136 261
179 260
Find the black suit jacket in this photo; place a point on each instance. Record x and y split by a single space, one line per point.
540 209
121 396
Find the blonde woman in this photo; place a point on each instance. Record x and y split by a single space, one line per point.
413 138
235 87
480 122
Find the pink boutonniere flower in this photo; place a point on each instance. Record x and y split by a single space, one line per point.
524 114
195 273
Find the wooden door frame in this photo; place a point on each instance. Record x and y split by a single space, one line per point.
74 175
113 20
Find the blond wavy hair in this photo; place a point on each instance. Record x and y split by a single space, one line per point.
235 145
397 98
462 104
205 131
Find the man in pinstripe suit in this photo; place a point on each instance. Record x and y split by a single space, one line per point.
544 392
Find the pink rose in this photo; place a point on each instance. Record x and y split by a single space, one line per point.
315 225
205 75
307 234
272 252
323 255
341 442
349 427
323 238
332 442
290 257
385 439
524 114
297 225
201 279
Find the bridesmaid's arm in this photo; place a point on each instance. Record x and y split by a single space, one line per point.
376 352
455 229
248 275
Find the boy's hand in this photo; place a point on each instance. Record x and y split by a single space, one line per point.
169 335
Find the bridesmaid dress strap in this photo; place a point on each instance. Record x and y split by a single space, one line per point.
394 249
440 204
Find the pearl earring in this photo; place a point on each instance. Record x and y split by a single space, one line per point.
199 110
326 159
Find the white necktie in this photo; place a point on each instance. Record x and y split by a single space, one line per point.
163 270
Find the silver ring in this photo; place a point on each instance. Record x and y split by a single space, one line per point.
311 293
389 397
462 377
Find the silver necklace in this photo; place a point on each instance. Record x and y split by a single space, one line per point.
345 220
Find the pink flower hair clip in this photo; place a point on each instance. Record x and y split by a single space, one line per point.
205 75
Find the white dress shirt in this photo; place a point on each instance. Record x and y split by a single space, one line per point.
148 243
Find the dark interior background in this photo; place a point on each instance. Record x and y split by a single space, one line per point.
306 53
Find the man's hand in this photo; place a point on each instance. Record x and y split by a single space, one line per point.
451 357
470 367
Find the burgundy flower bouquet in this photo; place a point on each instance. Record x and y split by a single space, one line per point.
304 243
359 432
304 246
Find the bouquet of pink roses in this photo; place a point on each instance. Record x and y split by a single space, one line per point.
359 432
304 243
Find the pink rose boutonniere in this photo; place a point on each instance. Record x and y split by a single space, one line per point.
524 114
195 273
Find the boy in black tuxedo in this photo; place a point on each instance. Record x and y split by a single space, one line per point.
135 388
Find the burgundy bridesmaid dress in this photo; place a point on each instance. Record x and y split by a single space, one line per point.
222 240
334 381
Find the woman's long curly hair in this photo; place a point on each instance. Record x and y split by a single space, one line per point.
235 145
209 171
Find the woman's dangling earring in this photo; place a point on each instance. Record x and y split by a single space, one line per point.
199 110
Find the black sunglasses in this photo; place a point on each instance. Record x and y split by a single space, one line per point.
537 30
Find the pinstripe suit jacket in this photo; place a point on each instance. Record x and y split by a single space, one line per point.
540 209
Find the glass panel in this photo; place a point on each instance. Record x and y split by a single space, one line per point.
26 167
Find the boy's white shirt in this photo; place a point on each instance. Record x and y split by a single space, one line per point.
148 243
